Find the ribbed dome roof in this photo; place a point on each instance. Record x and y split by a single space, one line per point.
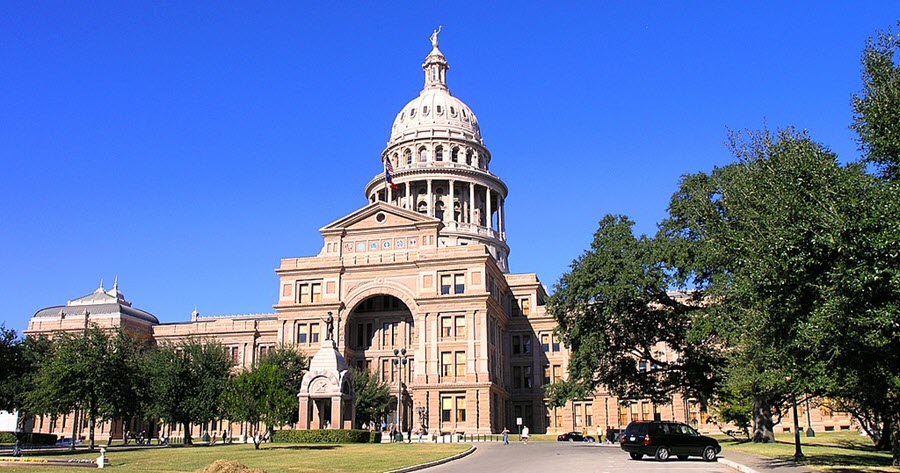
434 109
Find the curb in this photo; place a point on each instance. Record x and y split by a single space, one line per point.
422 466
736 466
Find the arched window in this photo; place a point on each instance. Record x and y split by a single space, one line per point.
469 157
395 160
423 155
439 153
408 155
422 207
454 155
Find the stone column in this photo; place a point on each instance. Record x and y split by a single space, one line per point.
452 205
471 203
488 215
430 200
409 205
500 216
421 354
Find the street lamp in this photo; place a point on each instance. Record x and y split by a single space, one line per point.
400 361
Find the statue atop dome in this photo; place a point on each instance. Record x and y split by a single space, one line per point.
434 36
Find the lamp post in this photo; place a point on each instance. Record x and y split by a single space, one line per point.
400 361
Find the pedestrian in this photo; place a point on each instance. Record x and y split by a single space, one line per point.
421 431
525 434
505 436
599 435
127 434
17 450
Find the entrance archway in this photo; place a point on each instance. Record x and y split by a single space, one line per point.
375 327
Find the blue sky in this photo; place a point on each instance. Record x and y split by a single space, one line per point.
188 146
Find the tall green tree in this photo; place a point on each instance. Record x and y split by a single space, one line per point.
762 240
876 108
615 313
187 382
373 397
266 393
91 372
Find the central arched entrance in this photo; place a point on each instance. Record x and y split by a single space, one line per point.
376 327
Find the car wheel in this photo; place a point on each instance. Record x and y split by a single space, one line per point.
662 453
682 457
709 454
589 440
636 456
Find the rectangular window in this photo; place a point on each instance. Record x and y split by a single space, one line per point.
446 327
527 373
589 415
459 283
446 363
233 354
578 413
316 290
557 373
555 343
460 363
526 344
460 326
623 415
263 351
314 333
446 408
385 334
302 334
545 342
360 336
645 411
461 409
546 374
558 417
516 344
517 377
446 280
526 306
386 371
303 294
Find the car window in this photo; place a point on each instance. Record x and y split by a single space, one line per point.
685 430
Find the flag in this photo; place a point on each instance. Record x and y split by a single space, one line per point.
388 173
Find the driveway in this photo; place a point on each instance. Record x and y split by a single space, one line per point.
564 457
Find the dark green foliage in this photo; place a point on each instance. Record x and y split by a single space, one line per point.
326 436
94 371
11 365
267 392
373 397
613 309
876 108
187 382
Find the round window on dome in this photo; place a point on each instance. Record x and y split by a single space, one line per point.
402 116
439 110
412 113
425 110
464 114
452 111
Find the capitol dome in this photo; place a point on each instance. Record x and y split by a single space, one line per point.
436 109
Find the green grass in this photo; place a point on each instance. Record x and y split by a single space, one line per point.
271 458
832 452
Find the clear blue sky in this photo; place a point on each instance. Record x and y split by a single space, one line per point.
188 146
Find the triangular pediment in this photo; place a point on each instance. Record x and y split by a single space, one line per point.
379 215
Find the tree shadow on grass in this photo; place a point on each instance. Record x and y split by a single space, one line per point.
850 459
302 447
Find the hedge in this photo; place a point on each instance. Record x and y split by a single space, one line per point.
326 436
9 438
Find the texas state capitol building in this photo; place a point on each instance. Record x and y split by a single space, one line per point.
423 266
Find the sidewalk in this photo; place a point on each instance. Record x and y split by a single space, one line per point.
753 463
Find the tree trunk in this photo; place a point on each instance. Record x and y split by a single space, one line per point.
883 441
74 428
798 453
763 427
187 433
91 431
894 420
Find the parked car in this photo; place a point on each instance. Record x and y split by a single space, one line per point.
665 439
574 437
66 442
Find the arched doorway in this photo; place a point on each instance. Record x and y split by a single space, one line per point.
376 327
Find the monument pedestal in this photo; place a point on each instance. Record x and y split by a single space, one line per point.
326 393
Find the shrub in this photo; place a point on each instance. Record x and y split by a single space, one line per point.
374 437
9 438
324 436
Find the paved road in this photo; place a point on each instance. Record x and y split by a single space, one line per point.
564 457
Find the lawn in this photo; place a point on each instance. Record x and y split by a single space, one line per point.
271 458
832 452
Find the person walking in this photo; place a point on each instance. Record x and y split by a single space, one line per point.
525 435
505 436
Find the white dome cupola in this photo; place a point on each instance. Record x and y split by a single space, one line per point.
441 165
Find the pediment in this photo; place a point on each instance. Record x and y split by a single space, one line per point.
377 216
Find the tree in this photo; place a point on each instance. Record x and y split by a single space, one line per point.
876 109
187 382
373 397
11 364
267 392
615 314
84 373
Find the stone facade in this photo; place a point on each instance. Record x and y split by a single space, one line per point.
423 266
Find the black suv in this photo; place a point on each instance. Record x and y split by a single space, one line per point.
664 439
